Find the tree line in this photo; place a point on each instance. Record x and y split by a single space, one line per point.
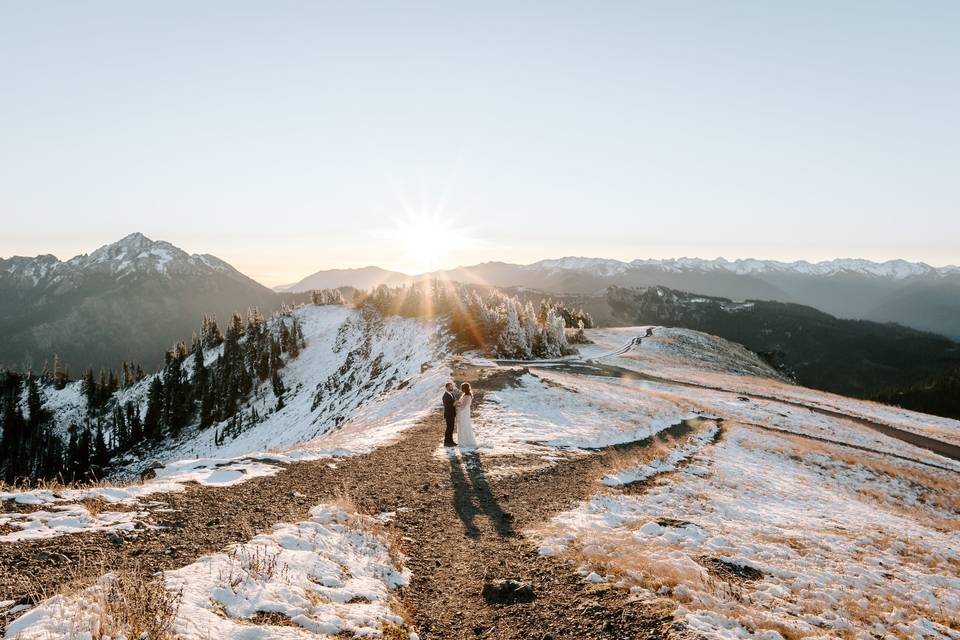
939 394
203 384
484 318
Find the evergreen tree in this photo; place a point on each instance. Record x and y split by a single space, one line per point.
101 455
278 389
152 426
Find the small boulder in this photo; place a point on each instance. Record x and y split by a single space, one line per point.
51 557
507 591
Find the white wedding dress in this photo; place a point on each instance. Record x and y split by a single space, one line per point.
465 437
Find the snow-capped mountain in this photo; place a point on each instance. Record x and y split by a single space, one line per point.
133 255
911 293
129 299
894 269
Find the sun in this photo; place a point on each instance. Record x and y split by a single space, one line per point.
426 242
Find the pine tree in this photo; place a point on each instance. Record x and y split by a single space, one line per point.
34 404
120 432
101 456
134 424
152 427
278 389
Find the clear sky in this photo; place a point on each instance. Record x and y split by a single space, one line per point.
286 137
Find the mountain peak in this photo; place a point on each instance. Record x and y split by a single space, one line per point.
134 254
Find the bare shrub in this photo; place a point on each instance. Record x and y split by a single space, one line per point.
139 605
93 504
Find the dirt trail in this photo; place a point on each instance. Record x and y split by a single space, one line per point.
460 526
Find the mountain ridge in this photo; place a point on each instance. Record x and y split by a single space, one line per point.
911 293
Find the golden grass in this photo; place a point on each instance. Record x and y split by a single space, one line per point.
138 605
94 505
56 485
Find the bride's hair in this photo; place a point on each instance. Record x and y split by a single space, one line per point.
465 388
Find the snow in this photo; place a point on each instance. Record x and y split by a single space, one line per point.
841 541
64 519
549 410
331 574
396 388
67 510
595 266
893 269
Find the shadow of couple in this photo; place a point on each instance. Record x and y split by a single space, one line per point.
472 496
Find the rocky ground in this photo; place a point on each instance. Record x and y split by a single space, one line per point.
460 526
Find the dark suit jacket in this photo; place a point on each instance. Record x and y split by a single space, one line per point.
448 409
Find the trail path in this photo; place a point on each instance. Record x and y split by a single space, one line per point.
460 526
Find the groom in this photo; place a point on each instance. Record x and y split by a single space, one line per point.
449 414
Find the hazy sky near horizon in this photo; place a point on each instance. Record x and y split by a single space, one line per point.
287 137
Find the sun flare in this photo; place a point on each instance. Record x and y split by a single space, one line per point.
426 242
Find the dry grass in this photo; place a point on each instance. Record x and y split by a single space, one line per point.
620 555
138 605
55 485
939 490
94 505
343 500
388 532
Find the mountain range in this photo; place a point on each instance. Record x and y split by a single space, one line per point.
129 300
132 299
910 293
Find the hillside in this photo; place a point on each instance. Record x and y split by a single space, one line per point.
663 484
845 356
130 300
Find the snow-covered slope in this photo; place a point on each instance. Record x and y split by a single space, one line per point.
355 369
701 359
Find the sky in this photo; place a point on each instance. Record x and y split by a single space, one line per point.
288 137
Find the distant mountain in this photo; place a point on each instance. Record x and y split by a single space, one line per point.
364 278
852 357
127 300
913 294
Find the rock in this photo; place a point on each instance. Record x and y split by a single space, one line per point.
116 538
507 591
214 522
548 636
150 472
51 557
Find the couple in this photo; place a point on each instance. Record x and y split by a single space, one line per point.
456 411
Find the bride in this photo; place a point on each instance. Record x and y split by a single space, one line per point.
465 436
